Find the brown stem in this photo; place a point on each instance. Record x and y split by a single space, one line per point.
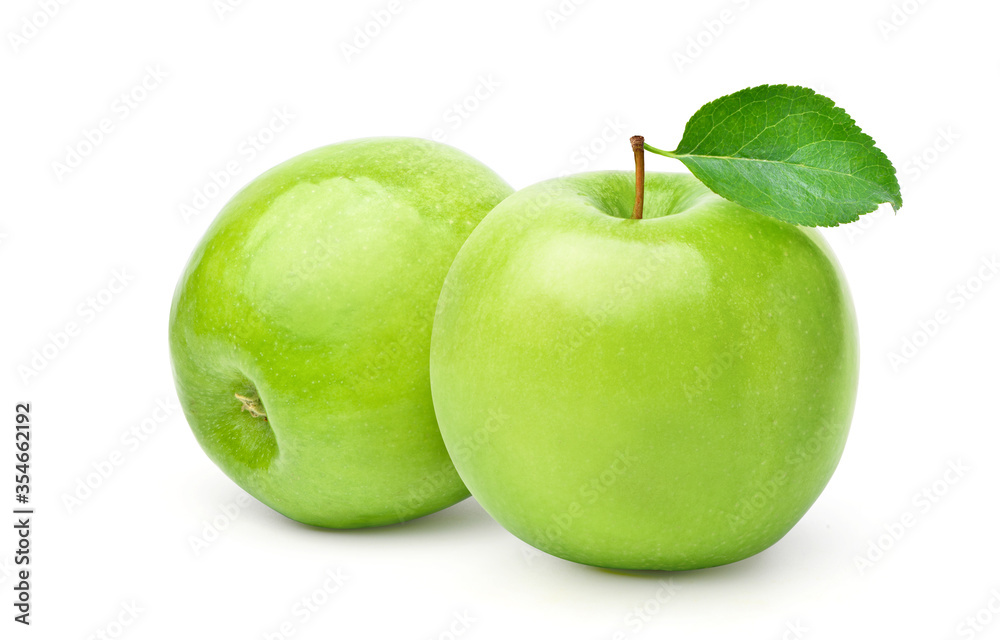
251 403
640 175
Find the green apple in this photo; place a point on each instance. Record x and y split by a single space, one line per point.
300 329
672 392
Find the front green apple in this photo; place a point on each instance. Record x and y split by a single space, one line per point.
300 329
665 393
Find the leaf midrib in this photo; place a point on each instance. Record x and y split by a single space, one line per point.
782 162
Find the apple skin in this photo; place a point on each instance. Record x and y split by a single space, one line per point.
666 393
313 295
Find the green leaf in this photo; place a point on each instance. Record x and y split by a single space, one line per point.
789 153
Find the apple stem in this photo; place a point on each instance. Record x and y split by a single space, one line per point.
252 404
638 143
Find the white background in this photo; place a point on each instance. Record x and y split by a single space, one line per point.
924 89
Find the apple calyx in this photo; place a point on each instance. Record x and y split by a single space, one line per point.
252 405
638 146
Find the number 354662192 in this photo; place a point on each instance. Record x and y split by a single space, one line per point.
22 444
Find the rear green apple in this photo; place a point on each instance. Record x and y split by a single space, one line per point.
672 392
300 329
